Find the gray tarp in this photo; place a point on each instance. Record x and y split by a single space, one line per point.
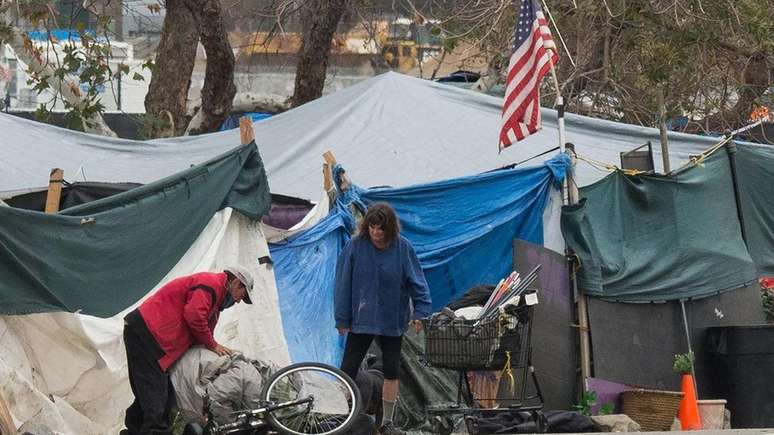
388 130
231 383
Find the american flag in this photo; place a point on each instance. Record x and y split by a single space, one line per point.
530 61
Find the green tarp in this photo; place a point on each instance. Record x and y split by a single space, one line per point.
101 257
653 238
755 176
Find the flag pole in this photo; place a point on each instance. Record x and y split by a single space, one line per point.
570 196
560 121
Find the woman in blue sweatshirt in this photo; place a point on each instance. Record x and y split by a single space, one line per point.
378 282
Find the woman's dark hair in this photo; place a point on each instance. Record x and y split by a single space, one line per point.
381 215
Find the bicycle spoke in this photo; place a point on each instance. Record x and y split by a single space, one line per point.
331 400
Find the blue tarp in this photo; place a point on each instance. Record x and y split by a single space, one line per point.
304 268
233 120
63 35
462 230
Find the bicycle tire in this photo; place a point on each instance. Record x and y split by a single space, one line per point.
283 377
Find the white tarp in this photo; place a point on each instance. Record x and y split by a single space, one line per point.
68 371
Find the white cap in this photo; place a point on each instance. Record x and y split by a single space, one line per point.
243 275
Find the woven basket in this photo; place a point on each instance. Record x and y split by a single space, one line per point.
654 410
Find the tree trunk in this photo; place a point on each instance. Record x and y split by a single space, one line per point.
319 19
167 96
219 89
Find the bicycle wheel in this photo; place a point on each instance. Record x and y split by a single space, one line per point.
321 400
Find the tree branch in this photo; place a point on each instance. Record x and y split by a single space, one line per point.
67 87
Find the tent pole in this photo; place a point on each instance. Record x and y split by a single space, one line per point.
328 182
330 160
54 195
246 133
581 298
328 185
663 132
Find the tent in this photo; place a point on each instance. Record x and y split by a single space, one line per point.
391 129
69 278
388 130
666 258
462 230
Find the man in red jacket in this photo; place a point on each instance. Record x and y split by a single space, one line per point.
180 314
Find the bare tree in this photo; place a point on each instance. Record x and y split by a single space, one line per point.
188 22
319 19
167 98
219 89
710 58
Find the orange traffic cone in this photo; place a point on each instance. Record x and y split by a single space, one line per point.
689 407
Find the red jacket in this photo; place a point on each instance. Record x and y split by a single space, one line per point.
184 312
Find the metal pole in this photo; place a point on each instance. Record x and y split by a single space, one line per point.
663 131
582 299
570 196
560 122
560 125
119 90
690 349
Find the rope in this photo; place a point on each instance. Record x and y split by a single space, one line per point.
576 265
508 371
609 167
699 160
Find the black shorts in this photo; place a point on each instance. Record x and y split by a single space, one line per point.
357 347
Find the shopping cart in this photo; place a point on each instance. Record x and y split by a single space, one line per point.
495 353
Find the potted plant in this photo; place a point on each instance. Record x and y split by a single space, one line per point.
689 407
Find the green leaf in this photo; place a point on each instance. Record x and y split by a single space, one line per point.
449 44
60 73
683 363
138 77
104 20
42 113
149 65
607 409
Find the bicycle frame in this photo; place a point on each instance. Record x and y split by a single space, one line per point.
252 419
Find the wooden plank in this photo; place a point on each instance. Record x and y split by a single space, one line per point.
330 161
327 177
54 190
246 133
329 158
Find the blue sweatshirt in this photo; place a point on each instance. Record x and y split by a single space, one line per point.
375 288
